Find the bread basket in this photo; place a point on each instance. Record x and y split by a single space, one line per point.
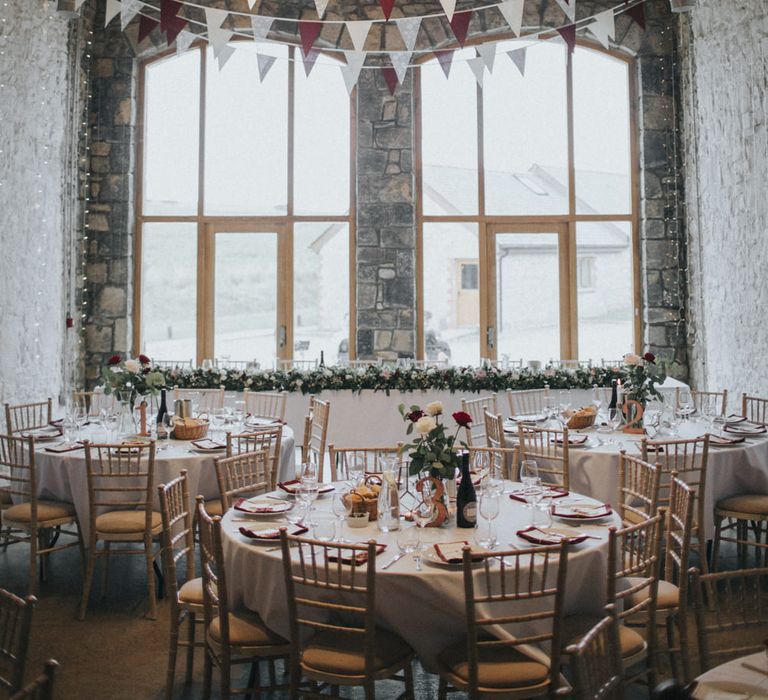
190 429
583 418
365 499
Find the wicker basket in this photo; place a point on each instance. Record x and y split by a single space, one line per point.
365 505
579 422
190 432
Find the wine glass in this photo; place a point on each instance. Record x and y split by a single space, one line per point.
308 487
207 364
615 417
423 515
111 421
685 404
564 405
341 508
529 475
408 539
218 417
325 528
489 510
297 514
356 469
167 422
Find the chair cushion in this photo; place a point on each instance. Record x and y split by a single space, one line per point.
5 496
668 595
46 510
343 655
214 508
125 522
576 626
754 503
246 629
497 667
192 591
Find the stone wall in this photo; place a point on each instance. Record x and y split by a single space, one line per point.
726 62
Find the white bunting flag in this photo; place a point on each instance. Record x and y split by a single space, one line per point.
400 62
518 58
604 27
409 30
569 7
113 9
251 3
351 72
217 37
488 53
184 40
477 66
260 26
265 63
224 54
358 32
512 10
79 4
320 6
449 7
128 11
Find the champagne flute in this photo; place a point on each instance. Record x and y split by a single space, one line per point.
423 514
168 421
489 510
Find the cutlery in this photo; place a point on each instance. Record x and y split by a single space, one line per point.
562 535
394 559
756 669
417 559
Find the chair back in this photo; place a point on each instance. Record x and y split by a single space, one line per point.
245 474
477 408
527 401
372 459
27 416
679 529
707 402
494 429
303 365
755 409
173 364
495 591
269 439
15 625
638 489
18 473
206 400
215 600
550 450
502 459
266 404
316 433
734 624
178 539
42 687
596 661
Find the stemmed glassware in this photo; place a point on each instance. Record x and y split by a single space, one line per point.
564 404
615 416
342 508
423 515
168 421
489 510
218 417
356 469
529 475
308 486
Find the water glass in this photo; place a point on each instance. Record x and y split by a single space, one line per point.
489 510
408 539
297 514
324 528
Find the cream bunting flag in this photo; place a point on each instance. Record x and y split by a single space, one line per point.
569 7
251 3
518 58
488 53
351 72
129 9
477 66
320 6
409 30
512 11
400 62
184 40
265 63
112 10
217 37
449 7
260 26
224 54
604 27
358 32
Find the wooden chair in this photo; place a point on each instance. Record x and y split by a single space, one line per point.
28 416
476 408
502 459
484 665
246 474
755 409
494 429
120 509
92 402
42 687
266 404
716 401
316 433
186 600
524 402
372 459
736 626
337 602
232 637
32 520
173 364
550 450
203 400
638 489
268 438
304 365
596 661
15 626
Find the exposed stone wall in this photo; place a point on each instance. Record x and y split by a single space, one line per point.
726 62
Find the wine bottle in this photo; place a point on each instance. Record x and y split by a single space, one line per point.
466 498
322 359
163 407
613 396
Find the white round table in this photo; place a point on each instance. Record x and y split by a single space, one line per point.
735 679
426 608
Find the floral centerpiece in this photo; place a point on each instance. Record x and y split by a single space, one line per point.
127 379
642 374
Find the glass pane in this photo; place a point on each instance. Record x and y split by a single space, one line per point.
245 297
527 296
246 133
451 309
169 291
321 140
449 137
321 291
604 283
526 132
601 133
171 134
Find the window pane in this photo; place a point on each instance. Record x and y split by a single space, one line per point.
601 133
451 311
605 308
246 297
321 134
449 137
527 296
171 132
169 291
321 291
526 133
246 133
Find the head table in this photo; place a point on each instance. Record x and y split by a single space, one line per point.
426 608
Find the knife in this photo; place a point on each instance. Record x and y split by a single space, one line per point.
394 559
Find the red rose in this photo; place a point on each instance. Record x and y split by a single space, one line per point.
114 360
414 416
462 418
144 360
649 357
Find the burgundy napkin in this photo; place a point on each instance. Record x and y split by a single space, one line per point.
552 492
735 419
208 444
57 423
745 429
582 512
293 485
359 557
451 552
64 447
536 536
269 534
572 440
243 506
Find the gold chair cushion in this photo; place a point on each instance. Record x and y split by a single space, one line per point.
46 510
343 654
753 503
125 522
497 667
246 629
634 518
668 595
214 508
192 591
576 626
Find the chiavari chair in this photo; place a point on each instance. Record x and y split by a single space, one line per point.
305 365
232 637
373 459
173 364
245 474
550 450
706 402
120 510
476 408
501 459
524 402
494 429
316 433
596 661
42 687
496 585
754 409
205 400
269 438
266 404
28 416
331 594
15 625
638 495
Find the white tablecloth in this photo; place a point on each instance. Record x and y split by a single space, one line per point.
734 681
426 608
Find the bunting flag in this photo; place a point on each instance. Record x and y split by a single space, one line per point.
217 37
518 58
224 54
488 53
184 40
409 30
445 58
449 7
351 72
309 31
260 26
386 8
400 62
320 6
358 32
604 27
512 11
251 3
569 36
146 25
113 9
309 58
170 22
637 13
390 78
569 7
477 66
128 10
78 4
265 63
460 25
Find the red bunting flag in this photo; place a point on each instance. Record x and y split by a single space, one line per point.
176 25
569 34
637 13
460 25
445 57
390 76
168 11
146 25
309 31
386 7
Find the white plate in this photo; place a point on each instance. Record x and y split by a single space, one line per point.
323 491
43 434
260 422
278 508
582 520
430 557
204 451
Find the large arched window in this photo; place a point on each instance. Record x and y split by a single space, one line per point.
243 208
527 207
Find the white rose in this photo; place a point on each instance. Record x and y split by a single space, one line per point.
425 424
631 359
435 408
133 366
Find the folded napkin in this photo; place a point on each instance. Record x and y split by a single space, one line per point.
735 419
245 505
584 511
718 440
56 423
745 428
259 422
208 444
294 485
48 432
64 447
452 552
549 535
572 440
552 492
269 534
359 557
528 418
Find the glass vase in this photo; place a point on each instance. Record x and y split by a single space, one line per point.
126 421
